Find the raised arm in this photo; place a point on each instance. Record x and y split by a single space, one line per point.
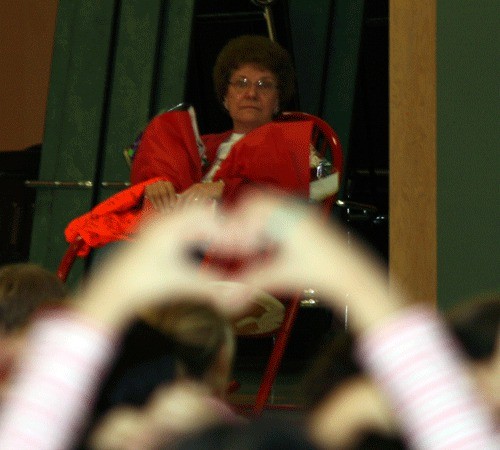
69 350
405 347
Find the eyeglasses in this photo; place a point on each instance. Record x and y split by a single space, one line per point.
262 86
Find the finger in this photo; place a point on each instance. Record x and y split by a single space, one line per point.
156 202
275 274
180 202
154 194
161 253
150 195
163 196
260 223
232 298
189 197
172 196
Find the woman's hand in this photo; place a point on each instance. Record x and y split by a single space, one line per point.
285 245
296 243
201 193
159 266
303 251
161 195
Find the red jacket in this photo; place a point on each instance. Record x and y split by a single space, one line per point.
275 154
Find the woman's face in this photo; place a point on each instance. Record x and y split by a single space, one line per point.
252 97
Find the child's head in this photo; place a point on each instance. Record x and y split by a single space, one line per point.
475 323
25 288
203 341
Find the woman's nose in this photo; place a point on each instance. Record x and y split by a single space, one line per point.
251 90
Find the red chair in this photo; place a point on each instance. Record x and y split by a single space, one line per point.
328 152
68 259
327 145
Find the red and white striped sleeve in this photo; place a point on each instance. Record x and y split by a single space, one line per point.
420 368
56 383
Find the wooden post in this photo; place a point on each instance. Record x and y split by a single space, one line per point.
412 147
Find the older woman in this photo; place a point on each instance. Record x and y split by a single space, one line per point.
253 79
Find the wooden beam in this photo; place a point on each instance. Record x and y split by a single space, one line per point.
412 147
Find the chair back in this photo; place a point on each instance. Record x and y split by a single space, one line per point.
130 151
326 144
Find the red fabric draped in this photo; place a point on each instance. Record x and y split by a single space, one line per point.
112 220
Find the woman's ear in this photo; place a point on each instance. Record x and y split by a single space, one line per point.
225 103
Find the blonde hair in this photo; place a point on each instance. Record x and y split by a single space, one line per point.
198 333
24 288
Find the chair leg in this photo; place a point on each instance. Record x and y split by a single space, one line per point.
276 356
68 259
